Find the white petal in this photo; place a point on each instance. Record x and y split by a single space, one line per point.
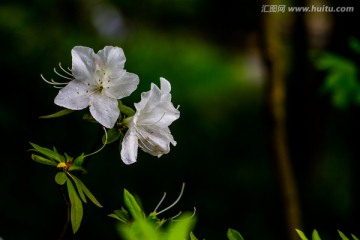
105 110
112 58
154 140
123 86
129 147
73 96
83 64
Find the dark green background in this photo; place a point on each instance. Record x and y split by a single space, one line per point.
208 50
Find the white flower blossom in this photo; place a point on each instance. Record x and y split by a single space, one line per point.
98 80
149 127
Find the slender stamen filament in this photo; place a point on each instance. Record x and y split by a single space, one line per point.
176 201
52 82
177 215
162 199
150 124
62 75
65 71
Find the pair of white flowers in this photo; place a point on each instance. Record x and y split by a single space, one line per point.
99 80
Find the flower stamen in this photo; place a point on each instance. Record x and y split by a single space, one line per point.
174 203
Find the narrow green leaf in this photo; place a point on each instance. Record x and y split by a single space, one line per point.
342 235
192 236
301 234
354 237
46 152
76 210
60 178
87 192
132 205
78 187
315 235
232 234
58 114
77 168
43 160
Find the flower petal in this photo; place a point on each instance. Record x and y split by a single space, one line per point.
112 58
73 96
83 64
105 110
129 147
123 86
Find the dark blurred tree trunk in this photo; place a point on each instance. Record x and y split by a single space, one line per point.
277 47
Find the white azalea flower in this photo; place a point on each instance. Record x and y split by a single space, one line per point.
149 127
98 80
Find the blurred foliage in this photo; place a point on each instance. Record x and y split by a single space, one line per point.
315 235
342 79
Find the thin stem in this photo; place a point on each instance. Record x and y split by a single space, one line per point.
106 138
68 213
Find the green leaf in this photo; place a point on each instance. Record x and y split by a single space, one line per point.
132 205
59 113
125 109
315 235
47 152
181 227
113 134
60 178
76 210
342 235
121 215
141 229
354 237
192 236
78 187
87 192
79 160
88 117
77 168
301 234
43 160
234 235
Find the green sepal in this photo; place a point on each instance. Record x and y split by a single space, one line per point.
301 234
86 191
113 134
315 235
54 155
61 178
232 234
132 205
79 160
43 160
76 210
128 111
121 215
58 114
